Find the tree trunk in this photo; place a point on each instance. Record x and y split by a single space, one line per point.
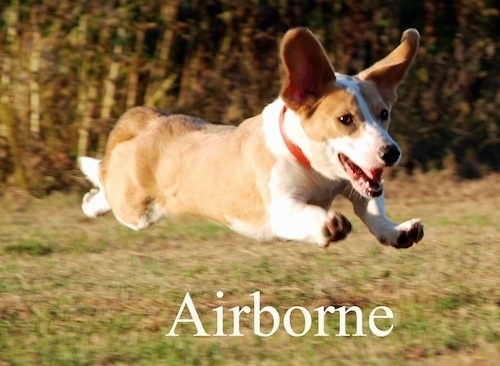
108 98
34 68
19 178
86 91
12 46
156 83
133 79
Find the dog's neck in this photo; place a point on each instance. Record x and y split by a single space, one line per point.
295 150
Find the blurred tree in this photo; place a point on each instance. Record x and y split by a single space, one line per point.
68 69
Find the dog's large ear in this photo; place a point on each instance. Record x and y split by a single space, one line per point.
391 70
308 72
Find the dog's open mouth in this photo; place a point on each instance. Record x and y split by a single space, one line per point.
368 183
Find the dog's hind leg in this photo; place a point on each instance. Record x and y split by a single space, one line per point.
131 204
138 216
94 202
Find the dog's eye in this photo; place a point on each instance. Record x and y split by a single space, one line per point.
384 115
346 119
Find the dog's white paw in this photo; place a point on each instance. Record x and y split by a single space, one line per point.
336 228
408 233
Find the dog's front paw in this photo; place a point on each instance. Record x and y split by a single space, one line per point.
410 232
336 228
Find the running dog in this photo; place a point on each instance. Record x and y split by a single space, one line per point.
276 174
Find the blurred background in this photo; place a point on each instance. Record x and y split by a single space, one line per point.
69 68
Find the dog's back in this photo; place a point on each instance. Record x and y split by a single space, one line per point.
134 122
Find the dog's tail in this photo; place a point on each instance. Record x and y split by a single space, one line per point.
94 202
90 167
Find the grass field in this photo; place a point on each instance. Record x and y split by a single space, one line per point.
75 291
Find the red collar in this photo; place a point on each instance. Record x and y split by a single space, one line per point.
294 149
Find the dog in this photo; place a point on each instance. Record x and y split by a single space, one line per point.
276 174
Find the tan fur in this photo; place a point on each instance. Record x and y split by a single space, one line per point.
172 160
391 70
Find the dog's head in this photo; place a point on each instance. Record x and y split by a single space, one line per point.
345 118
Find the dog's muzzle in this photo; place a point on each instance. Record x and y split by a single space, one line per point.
369 183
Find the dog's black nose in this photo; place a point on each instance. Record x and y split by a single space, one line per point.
390 154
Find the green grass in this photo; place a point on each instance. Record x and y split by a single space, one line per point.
31 247
75 291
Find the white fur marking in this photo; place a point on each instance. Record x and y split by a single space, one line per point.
352 87
258 233
270 124
290 215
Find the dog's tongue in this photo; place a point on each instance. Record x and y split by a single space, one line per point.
375 174
373 184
